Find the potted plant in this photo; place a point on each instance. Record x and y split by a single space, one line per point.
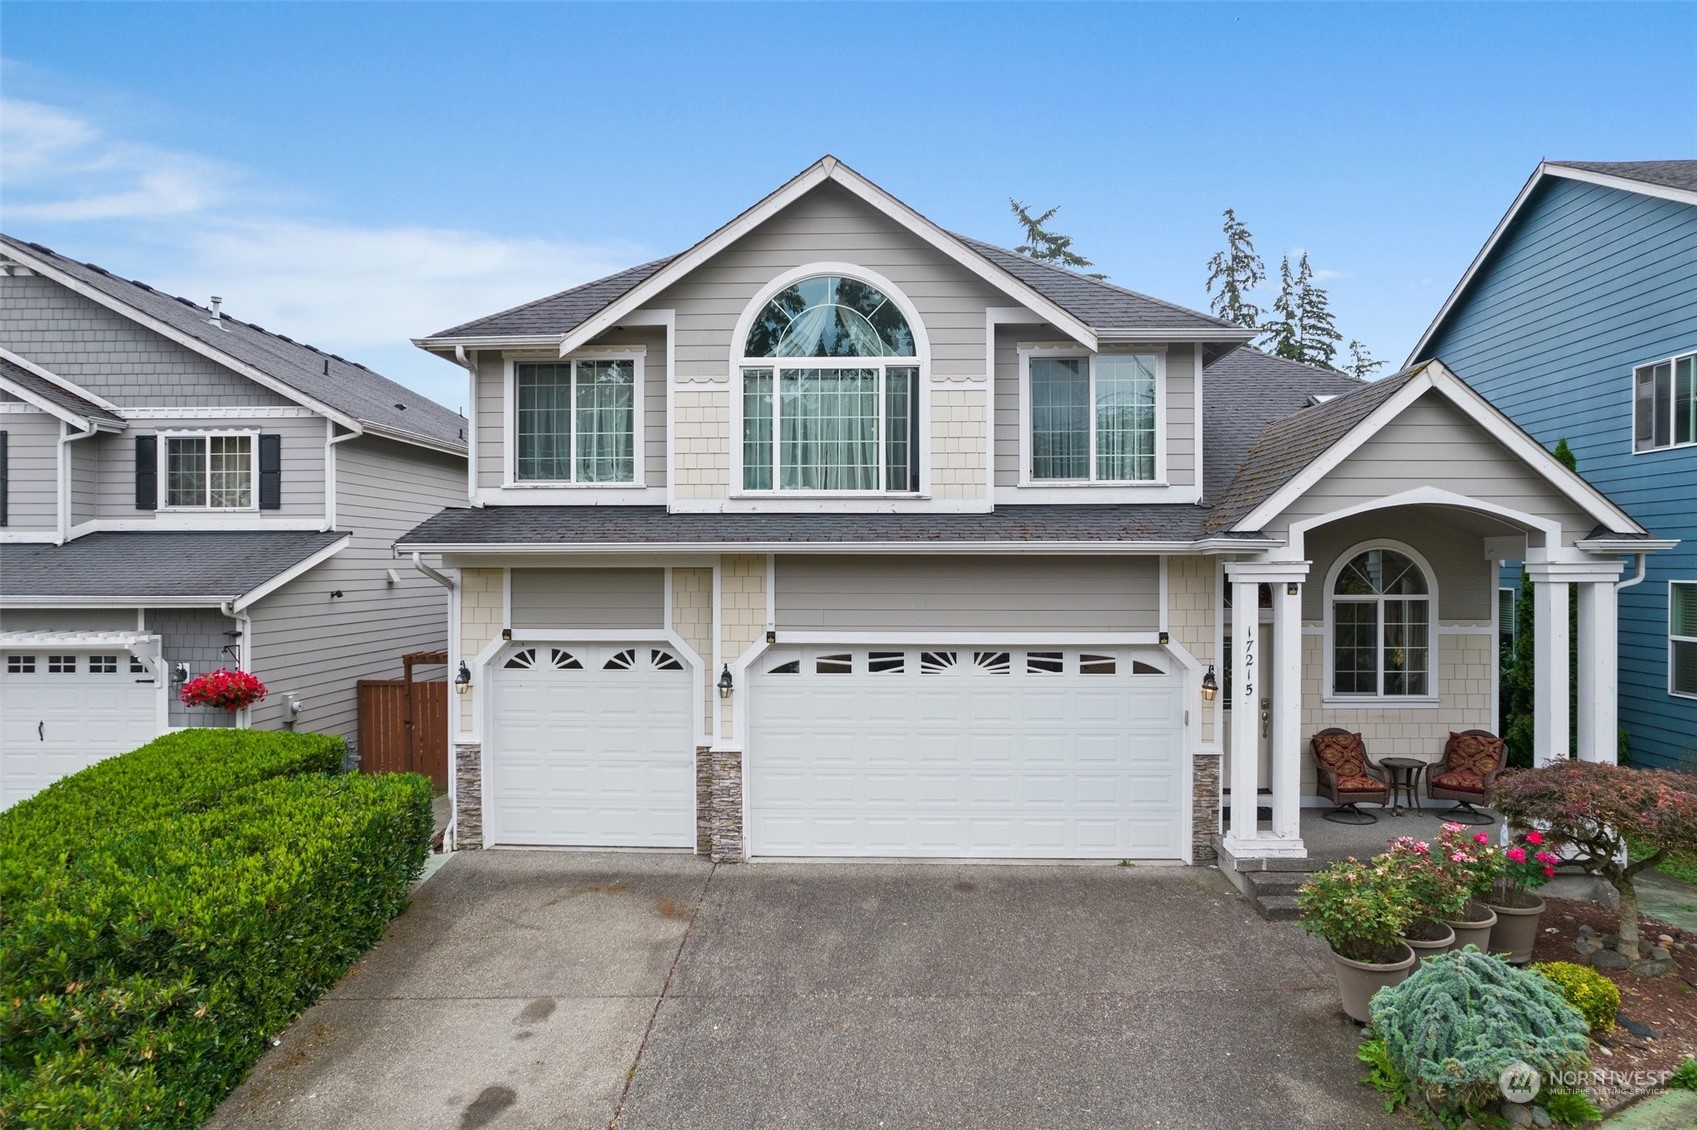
1362 911
1476 865
1435 893
223 688
1526 866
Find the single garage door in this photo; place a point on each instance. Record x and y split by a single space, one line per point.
62 710
1042 753
592 746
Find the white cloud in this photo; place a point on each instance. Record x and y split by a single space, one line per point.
1325 274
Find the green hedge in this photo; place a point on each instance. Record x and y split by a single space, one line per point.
143 972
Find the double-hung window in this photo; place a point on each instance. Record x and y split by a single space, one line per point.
1092 419
575 420
830 392
209 471
1664 403
1682 638
1381 627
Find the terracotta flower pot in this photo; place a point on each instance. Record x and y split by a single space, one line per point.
1517 925
1427 937
1474 927
1359 980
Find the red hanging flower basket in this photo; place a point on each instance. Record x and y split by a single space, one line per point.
224 688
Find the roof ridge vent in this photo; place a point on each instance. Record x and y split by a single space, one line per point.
217 318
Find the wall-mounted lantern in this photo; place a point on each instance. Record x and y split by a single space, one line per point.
725 682
462 679
1210 685
506 633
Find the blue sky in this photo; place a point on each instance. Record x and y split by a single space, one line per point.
354 175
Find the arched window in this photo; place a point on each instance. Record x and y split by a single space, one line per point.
843 415
1381 627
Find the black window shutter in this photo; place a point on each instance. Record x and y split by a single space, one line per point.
147 472
5 480
270 472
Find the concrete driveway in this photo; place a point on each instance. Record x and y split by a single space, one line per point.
554 989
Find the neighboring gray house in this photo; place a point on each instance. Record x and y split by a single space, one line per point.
841 535
181 491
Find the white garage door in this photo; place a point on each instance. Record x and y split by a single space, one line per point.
592 746
61 711
952 752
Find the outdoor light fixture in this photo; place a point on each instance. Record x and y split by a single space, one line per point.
1292 589
771 636
725 682
1210 685
506 633
462 679
1162 638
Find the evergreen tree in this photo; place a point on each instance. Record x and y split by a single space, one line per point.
1281 335
1361 363
1301 328
1044 245
1237 270
1518 679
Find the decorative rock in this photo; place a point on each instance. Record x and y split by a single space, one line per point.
1665 939
1652 968
1540 1116
1585 947
1609 959
1611 941
1587 931
1642 1031
1660 953
1517 1114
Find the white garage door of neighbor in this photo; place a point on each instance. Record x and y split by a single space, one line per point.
63 711
1059 753
592 746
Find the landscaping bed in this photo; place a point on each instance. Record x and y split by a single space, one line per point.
1667 1005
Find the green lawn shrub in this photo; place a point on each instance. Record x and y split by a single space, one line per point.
145 968
1595 996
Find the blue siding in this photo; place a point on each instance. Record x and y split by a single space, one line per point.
1589 282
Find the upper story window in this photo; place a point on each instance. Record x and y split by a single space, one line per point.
830 391
1682 638
1381 627
1091 419
575 420
209 471
1664 403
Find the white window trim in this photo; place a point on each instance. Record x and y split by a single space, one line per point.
739 362
1059 350
1672 638
1632 403
636 354
1329 697
163 463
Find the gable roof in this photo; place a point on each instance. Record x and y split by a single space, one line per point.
1669 180
1242 394
204 565
1083 307
61 398
344 390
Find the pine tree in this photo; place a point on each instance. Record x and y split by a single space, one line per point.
1238 270
1319 334
1046 246
1361 362
1281 335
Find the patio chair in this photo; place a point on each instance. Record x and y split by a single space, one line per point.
1472 760
1346 777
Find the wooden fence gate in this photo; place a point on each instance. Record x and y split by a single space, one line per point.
403 723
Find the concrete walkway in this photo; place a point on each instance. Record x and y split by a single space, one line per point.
552 989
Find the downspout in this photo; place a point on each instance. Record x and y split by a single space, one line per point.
244 623
442 579
469 364
1637 576
330 472
452 829
66 438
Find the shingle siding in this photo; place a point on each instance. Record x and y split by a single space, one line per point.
1587 283
32 470
198 637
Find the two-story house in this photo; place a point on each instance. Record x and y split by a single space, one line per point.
1578 319
838 534
181 491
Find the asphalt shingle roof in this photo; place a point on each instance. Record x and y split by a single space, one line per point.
345 386
1669 174
1245 391
558 313
213 564
49 391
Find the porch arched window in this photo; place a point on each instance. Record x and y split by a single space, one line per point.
1381 627
830 391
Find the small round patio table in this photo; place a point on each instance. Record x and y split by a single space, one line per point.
1404 775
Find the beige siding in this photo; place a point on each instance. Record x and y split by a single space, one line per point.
968 594
1191 602
957 442
316 646
692 619
491 420
303 466
742 615
1434 444
702 462
1462 574
588 598
32 454
1180 422
830 224
481 611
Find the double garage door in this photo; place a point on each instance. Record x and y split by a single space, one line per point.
63 710
1061 753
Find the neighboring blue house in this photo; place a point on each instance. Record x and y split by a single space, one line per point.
1578 319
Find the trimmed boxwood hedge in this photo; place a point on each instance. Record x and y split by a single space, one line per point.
148 955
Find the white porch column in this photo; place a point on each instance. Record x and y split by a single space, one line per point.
1549 682
1245 839
1599 662
1287 711
1246 710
